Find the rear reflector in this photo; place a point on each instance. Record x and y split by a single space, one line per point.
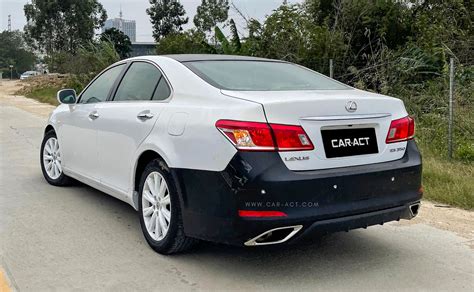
248 213
253 136
401 130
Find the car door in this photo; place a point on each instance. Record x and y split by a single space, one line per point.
126 121
78 134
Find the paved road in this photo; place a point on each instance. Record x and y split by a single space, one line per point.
79 238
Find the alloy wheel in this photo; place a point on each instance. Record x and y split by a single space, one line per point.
156 206
52 158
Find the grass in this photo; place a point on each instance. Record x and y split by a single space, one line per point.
44 94
448 182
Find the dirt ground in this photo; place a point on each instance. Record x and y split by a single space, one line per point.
447 218
439 216
8 97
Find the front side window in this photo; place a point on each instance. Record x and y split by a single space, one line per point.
261 76
99 90
139 83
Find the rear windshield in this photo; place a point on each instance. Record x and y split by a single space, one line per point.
261 76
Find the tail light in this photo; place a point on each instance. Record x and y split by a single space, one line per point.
291 138
253 136
401 130
247 135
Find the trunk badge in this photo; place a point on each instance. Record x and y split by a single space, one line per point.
351 106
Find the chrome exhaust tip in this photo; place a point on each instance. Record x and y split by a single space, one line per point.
274 236
414 208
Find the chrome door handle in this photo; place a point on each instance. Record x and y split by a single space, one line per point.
145 116
93 115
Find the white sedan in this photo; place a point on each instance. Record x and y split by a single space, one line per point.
238 150
28 74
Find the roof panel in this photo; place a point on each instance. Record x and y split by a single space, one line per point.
211 57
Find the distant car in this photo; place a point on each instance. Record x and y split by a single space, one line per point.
28 74
234 149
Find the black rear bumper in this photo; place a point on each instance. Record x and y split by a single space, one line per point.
321 201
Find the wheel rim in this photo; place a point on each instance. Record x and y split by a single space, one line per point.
52 158
156 206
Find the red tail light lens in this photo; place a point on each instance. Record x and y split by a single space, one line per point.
401 130
253 136
247 135
291 138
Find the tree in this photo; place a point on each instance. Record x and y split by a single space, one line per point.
232 46
189 42
121 41
55 25
210 13
167 17
13 51
289 34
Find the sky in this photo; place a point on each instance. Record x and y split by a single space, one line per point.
135 9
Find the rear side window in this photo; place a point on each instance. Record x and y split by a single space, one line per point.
261 76
99 90
162 91
139 83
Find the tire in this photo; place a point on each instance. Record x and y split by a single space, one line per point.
153 208
52 177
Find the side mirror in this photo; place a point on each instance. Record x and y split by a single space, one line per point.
67 96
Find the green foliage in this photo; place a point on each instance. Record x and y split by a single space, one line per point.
448 182
121 41
235 40
225 44
289 34
446 23
55 25
13 51
90 59
167 17
189 42
45 94
252 44
229 47
210 13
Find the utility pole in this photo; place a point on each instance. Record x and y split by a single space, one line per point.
11 72
331 68
450 121
9 22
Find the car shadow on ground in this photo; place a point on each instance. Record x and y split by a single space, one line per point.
319 257
328 254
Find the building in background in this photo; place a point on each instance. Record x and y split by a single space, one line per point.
128 27
143 49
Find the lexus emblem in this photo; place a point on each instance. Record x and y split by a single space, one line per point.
351 106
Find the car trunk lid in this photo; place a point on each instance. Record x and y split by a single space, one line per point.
333 118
